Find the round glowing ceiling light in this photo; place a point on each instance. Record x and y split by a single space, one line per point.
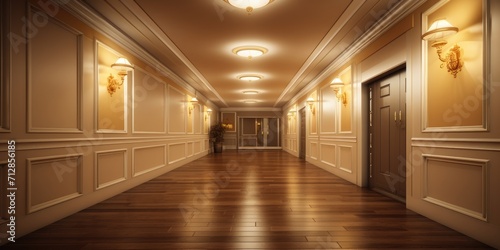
249 51
250 101
250 92
248 5
250 77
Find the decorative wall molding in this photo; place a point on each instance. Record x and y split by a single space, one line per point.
5 71
46 122
468 189
142 164
346 158
98 156
176 152
142 89
326 151
60 180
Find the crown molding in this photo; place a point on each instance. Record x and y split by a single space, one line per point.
394 15
96 22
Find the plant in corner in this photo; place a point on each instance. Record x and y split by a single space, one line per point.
217 136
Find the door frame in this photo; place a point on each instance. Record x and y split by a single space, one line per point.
364 177
279 133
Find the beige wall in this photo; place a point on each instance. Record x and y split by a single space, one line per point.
452 166
76 144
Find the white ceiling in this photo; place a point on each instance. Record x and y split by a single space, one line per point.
306 39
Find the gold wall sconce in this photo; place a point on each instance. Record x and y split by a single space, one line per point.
310 102
208 113
337 85
436 33
122 65
193 101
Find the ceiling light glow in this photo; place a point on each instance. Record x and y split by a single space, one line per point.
249 51
250 92
250 77
249 5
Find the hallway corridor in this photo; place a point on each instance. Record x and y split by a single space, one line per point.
246 200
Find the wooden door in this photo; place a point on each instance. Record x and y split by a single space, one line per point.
302 134
387 132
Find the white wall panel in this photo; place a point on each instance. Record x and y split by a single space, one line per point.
456 183
149 158
176 152
111 167
346 158
177 111
52 180
149 98
328 154
54 79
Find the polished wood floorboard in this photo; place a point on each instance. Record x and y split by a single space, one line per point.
247 200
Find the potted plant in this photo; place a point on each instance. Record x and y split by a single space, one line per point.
217 136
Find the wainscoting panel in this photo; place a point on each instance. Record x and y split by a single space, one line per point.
149 93
176 152
190 149
52 180
328 154
197 147
149 158
110 167
54 100
346 158
456 183
313 150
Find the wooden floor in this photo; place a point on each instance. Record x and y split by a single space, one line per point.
246 200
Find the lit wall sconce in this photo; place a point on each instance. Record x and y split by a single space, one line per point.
193 101
436 33
122 65
337 85
310 101
208 113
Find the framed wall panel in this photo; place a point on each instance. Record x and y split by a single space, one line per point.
328 111
5 71
148 158
176 152
456 183
466 104
177 111
346 158
149 97
111 108
328 153
110 167
54 75
53 180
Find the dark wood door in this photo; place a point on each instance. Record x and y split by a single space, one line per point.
302 136
387 133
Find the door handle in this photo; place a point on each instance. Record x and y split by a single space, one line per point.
400 116
395 118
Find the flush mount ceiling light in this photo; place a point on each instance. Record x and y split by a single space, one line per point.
248 5
250 77
249 51
250 101
250 92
